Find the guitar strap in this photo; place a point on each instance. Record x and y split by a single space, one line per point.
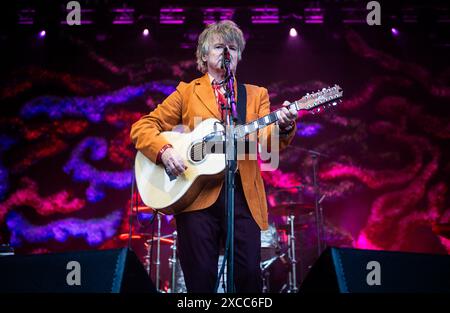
242 104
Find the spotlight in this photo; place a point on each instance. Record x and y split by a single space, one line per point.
293 32
145 32
42 33
395 31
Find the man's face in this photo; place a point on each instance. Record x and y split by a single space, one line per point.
215 54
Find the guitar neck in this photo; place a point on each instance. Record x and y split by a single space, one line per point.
246 129
308 102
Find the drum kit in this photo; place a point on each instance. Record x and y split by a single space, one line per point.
157 240
298 222
284 262
278 251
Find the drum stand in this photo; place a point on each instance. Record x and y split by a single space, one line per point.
265 281
265 273
292 287
158 251
173 263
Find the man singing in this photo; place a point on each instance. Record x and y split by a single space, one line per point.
202 225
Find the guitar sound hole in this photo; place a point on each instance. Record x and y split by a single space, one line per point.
198 152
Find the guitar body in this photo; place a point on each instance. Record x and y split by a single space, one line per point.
156 188
198 149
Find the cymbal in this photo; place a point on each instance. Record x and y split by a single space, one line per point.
142 209
291 208
147 237
163 240
126 236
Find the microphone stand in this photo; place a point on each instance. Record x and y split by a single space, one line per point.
317 205
318 210
231 165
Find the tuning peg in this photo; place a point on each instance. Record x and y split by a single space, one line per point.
334 103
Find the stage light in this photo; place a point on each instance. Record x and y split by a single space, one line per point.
42 33
293 32
395 32
145 32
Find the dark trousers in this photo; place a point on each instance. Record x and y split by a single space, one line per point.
200 236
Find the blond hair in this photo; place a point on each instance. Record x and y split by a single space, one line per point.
228 31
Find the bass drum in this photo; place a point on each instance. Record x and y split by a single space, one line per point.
270 243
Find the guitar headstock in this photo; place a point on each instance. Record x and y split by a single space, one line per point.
324 98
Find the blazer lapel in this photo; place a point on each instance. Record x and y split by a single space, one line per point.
205 93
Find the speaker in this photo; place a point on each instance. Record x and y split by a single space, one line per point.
102 271
345 270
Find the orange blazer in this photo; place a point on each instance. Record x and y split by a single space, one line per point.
197 99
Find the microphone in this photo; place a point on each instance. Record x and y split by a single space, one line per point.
226 58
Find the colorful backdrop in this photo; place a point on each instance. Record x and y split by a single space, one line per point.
68 100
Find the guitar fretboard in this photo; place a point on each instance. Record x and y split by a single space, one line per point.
261 122
308 102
